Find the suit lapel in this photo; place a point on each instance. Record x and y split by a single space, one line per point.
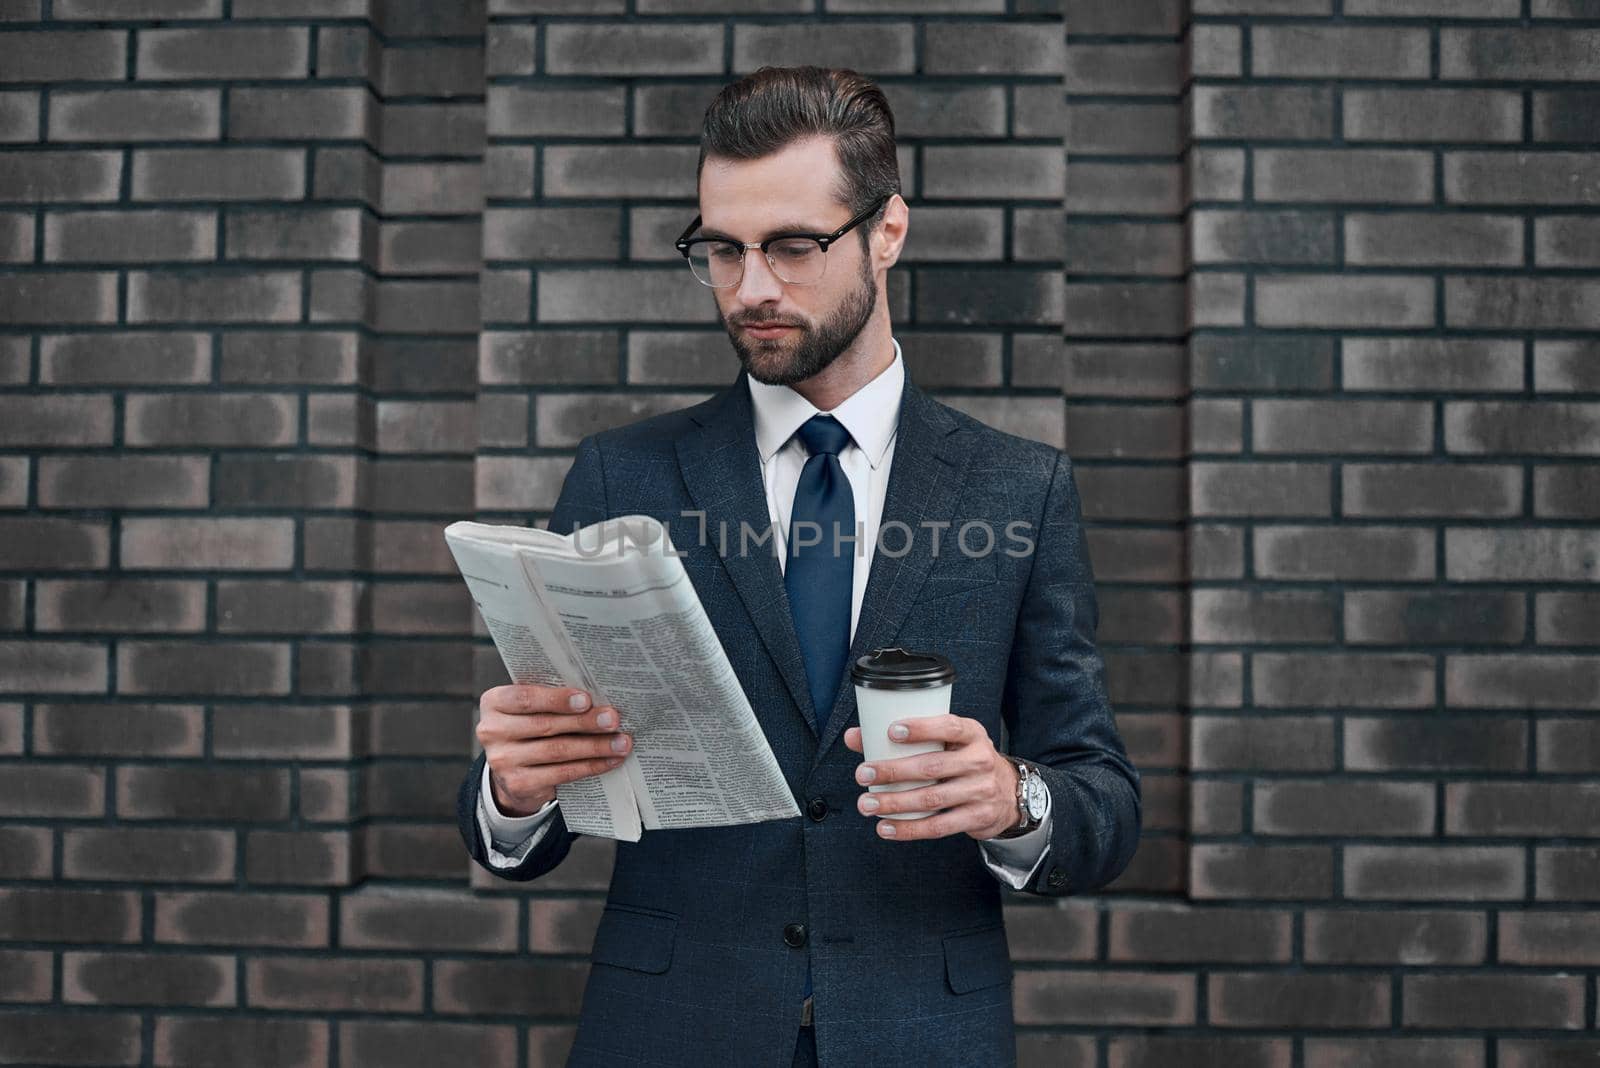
722 470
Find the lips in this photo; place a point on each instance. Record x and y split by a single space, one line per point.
767 330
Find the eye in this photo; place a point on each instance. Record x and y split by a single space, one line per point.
795 249
725 253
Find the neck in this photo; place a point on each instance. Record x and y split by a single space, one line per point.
867 357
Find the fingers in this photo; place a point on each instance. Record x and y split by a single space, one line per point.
530 781
564 748
940 795
528 700
956 730
852 739
506 718
962 818
945 765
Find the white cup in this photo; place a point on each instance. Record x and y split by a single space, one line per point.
895 684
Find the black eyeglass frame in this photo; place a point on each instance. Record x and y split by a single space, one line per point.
684 244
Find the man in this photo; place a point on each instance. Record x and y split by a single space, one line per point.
840 937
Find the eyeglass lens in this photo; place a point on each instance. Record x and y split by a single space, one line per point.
798 261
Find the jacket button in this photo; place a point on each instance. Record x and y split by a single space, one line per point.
794 935
817 808
1057 877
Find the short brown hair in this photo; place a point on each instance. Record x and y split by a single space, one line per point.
773 107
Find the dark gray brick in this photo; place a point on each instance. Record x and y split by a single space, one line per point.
1263 237
1521 177
1317 1000
297 234
1543 427
1123 188
1339 51
1350 553
59 419
1433 873
1409 937
1142 128
1567 241
528 111
65 56
1445 617
150 667
1017 47
1426 743
1020 171
60 1038
1260 489
1444 364
1546 554
266 1042
1259 112
224 52
618 49
219 174
1391 239
1349 175
1225 870
1261 362
1507 680
1331 300
1431 490
1544 53
129 236
136 115
1567 115
303 114
1432 115
124 482
44 297
1231 616
1493 1001
146 9
1262 743
1121 69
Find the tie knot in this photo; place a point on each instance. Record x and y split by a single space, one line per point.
824 433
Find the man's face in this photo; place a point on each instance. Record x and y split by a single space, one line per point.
786 333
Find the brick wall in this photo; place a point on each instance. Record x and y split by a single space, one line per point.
287 285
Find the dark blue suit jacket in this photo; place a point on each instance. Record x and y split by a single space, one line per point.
905 940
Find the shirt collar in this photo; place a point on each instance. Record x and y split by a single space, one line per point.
870 414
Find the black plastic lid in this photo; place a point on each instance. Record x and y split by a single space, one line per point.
895 668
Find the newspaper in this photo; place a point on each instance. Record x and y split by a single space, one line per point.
610 609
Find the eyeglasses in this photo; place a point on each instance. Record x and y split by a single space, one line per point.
798 259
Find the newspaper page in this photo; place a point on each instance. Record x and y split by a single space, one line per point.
621 618
535 651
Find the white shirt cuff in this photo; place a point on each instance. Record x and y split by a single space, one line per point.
509 839
1015 861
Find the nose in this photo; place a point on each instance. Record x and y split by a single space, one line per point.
759 285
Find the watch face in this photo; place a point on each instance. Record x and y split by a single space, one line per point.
1035 794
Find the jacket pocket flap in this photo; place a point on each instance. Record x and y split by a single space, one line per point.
976 959
637 940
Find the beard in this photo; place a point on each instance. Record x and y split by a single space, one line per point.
783 361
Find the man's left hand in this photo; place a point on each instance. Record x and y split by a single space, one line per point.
973 784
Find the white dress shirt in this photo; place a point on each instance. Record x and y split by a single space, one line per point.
871 414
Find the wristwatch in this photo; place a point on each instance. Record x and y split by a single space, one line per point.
1032 799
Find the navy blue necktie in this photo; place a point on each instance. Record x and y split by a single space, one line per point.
817 574
818 571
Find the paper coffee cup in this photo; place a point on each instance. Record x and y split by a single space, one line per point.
893 684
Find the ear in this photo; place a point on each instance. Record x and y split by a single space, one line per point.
889 236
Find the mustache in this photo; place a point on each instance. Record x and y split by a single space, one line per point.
748 320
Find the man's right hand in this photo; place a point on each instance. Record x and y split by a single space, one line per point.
536 737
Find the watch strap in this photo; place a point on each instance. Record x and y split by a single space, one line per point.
1025 822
